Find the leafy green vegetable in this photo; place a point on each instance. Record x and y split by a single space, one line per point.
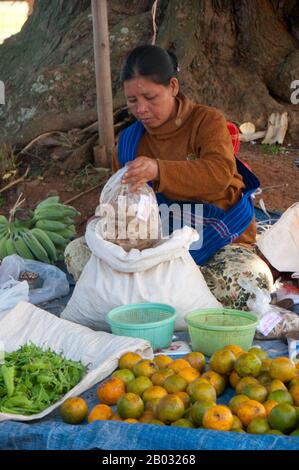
8 374
33 379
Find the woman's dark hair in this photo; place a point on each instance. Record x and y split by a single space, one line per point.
152 62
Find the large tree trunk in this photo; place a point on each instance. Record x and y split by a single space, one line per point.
236 55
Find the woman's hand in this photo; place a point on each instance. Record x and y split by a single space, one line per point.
140 171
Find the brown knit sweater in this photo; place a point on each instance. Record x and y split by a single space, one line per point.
195 158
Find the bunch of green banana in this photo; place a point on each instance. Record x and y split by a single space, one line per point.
44 237
56 220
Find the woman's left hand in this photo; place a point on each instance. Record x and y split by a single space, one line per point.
140 171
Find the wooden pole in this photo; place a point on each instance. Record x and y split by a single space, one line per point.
103 81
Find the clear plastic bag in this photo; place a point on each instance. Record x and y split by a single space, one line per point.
11 293
130 220
55 283
274 321
259 303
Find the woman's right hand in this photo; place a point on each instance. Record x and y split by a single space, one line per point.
140 171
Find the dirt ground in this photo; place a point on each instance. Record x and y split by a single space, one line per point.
277 172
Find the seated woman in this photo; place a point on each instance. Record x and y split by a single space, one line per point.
185 151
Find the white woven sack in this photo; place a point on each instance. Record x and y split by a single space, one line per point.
99 350
280 244
112 277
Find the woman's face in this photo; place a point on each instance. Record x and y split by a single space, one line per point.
150 103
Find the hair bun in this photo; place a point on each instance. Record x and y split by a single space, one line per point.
153 62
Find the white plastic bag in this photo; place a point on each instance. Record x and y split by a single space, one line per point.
11 267
274 321
55 283
112 277
97 350
128 219
280 244
259 303
11 293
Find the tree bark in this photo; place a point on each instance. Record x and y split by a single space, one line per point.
236 55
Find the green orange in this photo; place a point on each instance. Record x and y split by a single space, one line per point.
145 367
282 368
283 417
222 361
130 405
126 375
153 392
191 387
248 364
259 352
162 361
258 426
175 383
139 385
170 408
197 360
73 410
281 396
128 360
255 392
203 392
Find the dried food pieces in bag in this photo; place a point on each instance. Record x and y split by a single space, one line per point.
130 220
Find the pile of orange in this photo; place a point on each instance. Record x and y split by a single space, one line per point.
181 392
